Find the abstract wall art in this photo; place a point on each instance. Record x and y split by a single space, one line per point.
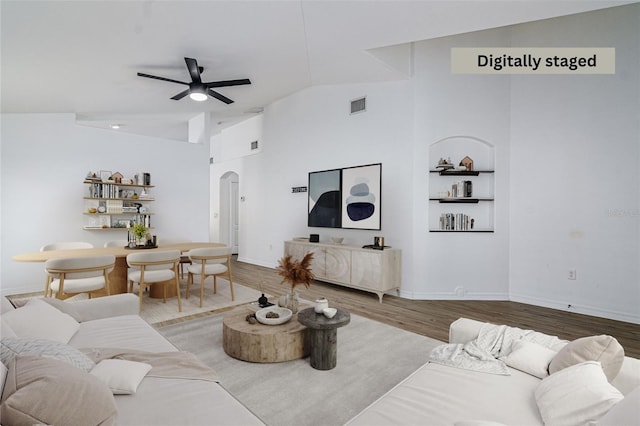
360 198
324 199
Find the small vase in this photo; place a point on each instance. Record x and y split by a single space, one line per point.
291 301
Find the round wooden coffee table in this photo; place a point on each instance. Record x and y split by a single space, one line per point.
262 343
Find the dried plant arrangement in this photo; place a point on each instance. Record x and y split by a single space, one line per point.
296 272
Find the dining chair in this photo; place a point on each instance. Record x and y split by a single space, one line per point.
211 261
154 267
66 245
116 243
75 275
184 257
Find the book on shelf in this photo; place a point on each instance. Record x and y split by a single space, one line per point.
463 188
455 222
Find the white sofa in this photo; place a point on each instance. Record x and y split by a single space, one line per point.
437 394
111 322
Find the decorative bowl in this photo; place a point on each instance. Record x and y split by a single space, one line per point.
329 312
337 240
284 315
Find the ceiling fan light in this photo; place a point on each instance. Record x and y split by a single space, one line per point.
198 96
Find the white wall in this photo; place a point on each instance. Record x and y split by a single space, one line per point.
459 265
227 150
45 158
564 197
312 130
575 150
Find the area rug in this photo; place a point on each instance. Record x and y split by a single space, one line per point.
155 312
372 358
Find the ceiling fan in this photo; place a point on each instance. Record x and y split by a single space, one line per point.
198 90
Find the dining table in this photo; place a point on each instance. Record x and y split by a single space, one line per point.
118 276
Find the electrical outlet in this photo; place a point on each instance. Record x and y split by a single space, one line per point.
572 274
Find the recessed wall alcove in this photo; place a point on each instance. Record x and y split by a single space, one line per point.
461 200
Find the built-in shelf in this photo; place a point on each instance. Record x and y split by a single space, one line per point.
461 200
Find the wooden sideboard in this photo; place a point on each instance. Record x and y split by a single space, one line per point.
377 271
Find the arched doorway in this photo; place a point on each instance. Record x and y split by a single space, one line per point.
229 203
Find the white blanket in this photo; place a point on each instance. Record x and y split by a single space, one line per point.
493 342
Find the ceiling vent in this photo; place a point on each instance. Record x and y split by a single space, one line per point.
359 105
254 145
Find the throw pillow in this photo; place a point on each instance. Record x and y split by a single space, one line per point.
576 395
604 349
38 319
64 307
530 357
12 347
47 391
625 412
122 376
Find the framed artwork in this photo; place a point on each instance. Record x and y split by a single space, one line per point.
324 199
105 175
360 198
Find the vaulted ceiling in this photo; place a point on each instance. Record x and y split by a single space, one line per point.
82 56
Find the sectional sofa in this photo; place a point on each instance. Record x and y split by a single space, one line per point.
592 383
98 362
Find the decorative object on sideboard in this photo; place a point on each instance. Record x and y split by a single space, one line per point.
337 240
314 238
378 242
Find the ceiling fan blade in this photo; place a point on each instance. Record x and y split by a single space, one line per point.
220 97
180 95
160 78
226 83
194 71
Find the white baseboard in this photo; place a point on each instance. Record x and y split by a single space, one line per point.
579 309
452 296
256 262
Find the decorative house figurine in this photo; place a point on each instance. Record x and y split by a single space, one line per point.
468 163
117 177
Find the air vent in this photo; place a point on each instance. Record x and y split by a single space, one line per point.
358 105
254 145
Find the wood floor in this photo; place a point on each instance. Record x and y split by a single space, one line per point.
432 317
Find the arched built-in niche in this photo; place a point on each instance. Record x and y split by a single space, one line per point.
461 200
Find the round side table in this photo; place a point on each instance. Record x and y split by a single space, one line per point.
323 336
